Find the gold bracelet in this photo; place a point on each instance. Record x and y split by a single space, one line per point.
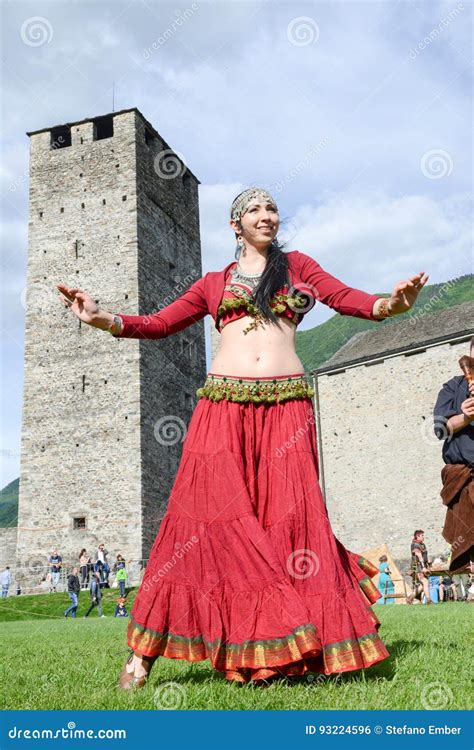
383 310
116 326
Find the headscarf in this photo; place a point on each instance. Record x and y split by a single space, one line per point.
241 202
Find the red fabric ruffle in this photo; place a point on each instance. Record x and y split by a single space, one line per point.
245 570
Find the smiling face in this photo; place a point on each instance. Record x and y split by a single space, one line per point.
259 224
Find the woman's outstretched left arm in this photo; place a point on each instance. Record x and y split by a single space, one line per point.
347 300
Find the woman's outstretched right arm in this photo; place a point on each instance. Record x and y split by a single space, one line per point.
186 310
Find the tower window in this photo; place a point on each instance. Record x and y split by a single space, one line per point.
79 522
149 136
60 137
103 128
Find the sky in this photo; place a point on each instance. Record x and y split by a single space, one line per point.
355 115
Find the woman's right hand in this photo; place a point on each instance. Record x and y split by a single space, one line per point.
81 304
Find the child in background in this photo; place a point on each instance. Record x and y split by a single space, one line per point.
120 574
120 610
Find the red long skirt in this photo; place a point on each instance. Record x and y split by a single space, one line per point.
245 570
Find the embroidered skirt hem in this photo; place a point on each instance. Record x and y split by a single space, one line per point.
245 570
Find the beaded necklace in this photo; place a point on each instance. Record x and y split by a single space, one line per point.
249 279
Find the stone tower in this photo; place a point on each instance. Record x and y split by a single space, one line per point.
114 211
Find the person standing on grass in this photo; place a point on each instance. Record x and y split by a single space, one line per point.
101 556
385 585
6 581
55 560
419 563
96 595
453 416
73 589
120 574
84 561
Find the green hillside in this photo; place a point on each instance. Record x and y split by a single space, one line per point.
9 504
317 345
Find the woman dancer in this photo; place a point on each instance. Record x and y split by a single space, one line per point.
258 583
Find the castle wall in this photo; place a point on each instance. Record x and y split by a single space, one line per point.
381 459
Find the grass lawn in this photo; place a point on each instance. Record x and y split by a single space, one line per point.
49 662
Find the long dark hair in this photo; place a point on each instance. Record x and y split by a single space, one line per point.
274 276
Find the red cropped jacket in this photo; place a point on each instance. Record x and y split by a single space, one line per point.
204 297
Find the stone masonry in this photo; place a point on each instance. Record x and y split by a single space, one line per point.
114 211
380 460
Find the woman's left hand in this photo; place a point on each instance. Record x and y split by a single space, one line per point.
405 293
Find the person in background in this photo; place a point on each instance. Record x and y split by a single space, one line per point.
385 584
447 589
120 574
101 555
419 563
55 560
73 590
120 610
84 562
95 592
453 416
470 589
98 567
6 579
434 582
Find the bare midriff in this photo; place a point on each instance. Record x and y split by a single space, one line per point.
265 351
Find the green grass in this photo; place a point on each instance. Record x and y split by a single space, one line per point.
52 663
52 606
